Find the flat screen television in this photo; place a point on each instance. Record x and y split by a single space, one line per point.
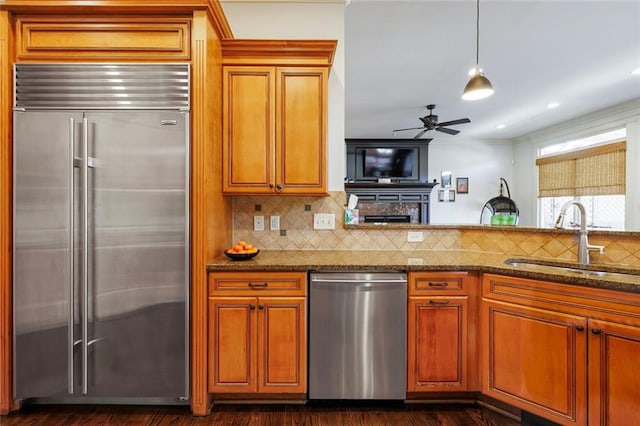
395 163
402 161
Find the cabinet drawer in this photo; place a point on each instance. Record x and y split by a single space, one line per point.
561 297
429 283
258 283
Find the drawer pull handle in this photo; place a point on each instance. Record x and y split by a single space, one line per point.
442 284
258 285
596 331
439 302
579 328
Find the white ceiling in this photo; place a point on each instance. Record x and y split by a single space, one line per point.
402 55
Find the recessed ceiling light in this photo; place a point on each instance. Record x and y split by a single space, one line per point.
552 105
501 126
636 71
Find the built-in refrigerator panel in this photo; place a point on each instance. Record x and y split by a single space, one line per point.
43 311
137 263
101 235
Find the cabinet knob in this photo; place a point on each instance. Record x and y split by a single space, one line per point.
439 302
442 284
258 285
261 306
271 185
596 331
252 306
579 328
279 187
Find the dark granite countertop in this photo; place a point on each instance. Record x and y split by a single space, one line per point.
425 260
459 227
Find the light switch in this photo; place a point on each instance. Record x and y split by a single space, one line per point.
275 223
258 223
324 221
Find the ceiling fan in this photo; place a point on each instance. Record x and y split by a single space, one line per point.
430 122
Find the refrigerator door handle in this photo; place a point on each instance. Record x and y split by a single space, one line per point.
70 323
85 252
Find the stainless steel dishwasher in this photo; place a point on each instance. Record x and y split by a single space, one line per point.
357 335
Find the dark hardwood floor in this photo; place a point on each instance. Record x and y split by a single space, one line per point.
312 415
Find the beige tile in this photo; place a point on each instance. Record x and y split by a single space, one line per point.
301 236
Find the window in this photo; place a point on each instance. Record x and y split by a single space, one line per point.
595 176
603 211
614 135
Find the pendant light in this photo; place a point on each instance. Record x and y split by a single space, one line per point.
479 86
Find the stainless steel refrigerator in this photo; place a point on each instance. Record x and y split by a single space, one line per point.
101 233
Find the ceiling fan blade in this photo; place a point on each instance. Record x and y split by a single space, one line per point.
410 128
420 134
449 131
454 122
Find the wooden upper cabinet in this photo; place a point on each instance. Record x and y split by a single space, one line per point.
248 129
275 116
47 37
301 109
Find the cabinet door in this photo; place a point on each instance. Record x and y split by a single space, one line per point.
248 129
282 339
232 344
301 124
536 360
614 379
437 344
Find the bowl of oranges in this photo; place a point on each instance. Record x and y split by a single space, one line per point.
242 251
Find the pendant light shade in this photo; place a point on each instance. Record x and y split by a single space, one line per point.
479 86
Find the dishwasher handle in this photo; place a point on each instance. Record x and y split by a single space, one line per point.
347 281
357 286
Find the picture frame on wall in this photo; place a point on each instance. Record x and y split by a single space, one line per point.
445 179
462 185
447 195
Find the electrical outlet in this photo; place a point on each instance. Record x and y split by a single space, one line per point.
324 221
258 223
274 222
415 237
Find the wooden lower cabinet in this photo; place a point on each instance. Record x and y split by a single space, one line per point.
437 349
257 344
614 377
441 344
537 359
563 352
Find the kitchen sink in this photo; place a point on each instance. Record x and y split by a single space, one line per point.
540 266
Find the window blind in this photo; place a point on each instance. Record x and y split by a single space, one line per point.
599 170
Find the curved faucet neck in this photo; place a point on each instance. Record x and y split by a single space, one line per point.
583 213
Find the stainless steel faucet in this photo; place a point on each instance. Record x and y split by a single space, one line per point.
583 242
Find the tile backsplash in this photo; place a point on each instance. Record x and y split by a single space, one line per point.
297 233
